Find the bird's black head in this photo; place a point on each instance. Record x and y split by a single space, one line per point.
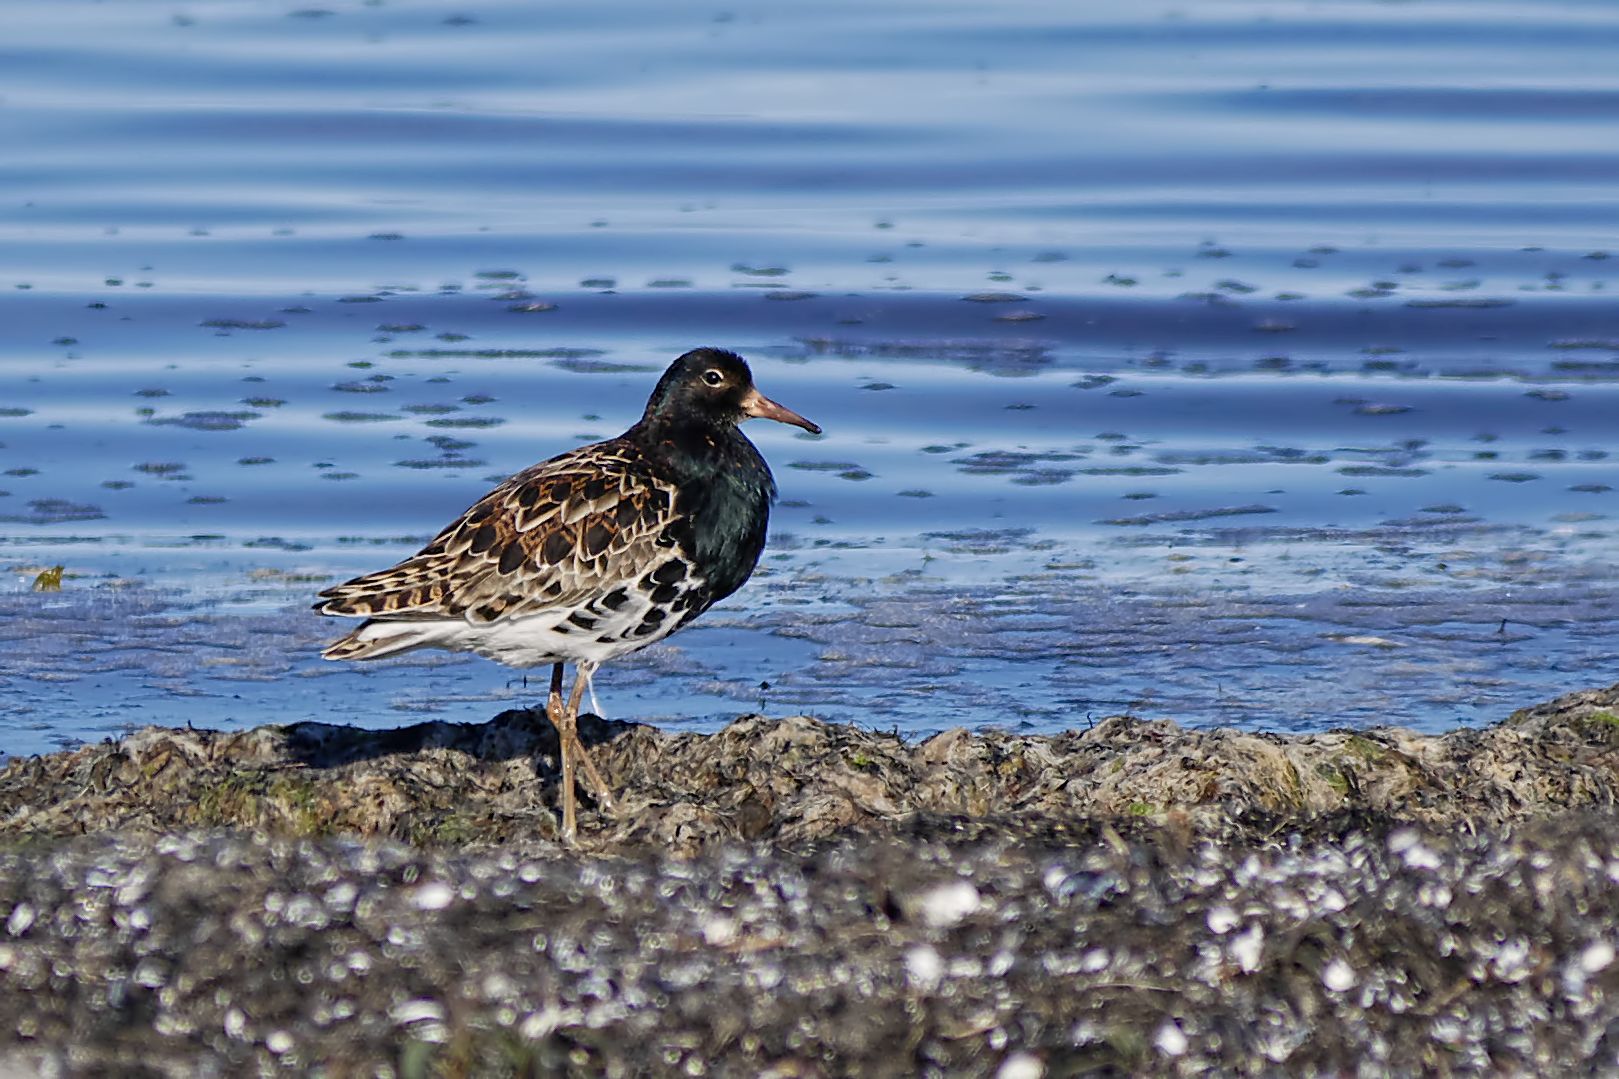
714 386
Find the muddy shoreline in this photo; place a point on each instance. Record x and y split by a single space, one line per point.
799 898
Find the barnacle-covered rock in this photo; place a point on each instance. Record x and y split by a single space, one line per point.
796 898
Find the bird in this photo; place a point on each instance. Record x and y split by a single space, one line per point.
590 555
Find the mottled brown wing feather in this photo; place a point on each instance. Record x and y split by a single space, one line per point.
552 536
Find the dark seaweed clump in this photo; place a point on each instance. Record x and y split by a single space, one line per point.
797 898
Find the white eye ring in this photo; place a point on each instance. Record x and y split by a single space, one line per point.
713 377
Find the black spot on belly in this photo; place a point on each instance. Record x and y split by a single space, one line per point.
665 593
670 572
615 599
582 620
653 617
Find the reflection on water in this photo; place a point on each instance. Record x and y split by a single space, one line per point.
1245 363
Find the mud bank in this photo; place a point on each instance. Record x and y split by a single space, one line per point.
1131 899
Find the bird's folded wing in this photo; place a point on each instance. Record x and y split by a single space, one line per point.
550 537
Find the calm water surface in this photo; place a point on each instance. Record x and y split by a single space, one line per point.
1244 363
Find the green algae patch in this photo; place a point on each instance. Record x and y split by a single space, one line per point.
264 800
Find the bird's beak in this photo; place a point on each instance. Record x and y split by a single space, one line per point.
757 404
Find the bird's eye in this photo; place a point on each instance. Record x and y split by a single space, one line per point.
713 377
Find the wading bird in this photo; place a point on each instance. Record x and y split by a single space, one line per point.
592 554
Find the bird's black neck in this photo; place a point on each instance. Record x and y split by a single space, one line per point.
724 494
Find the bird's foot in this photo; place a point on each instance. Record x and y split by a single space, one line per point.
598 786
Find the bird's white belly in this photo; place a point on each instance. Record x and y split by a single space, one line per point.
541 639
590 633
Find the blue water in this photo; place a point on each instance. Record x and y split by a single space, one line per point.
1242 363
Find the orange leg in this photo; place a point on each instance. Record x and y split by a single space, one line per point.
557 714
604 793
572 751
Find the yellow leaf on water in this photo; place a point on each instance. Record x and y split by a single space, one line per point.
49 580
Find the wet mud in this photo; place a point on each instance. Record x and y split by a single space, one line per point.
792 897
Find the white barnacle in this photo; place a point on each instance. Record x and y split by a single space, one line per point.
945 905
1171 1040
1338 976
